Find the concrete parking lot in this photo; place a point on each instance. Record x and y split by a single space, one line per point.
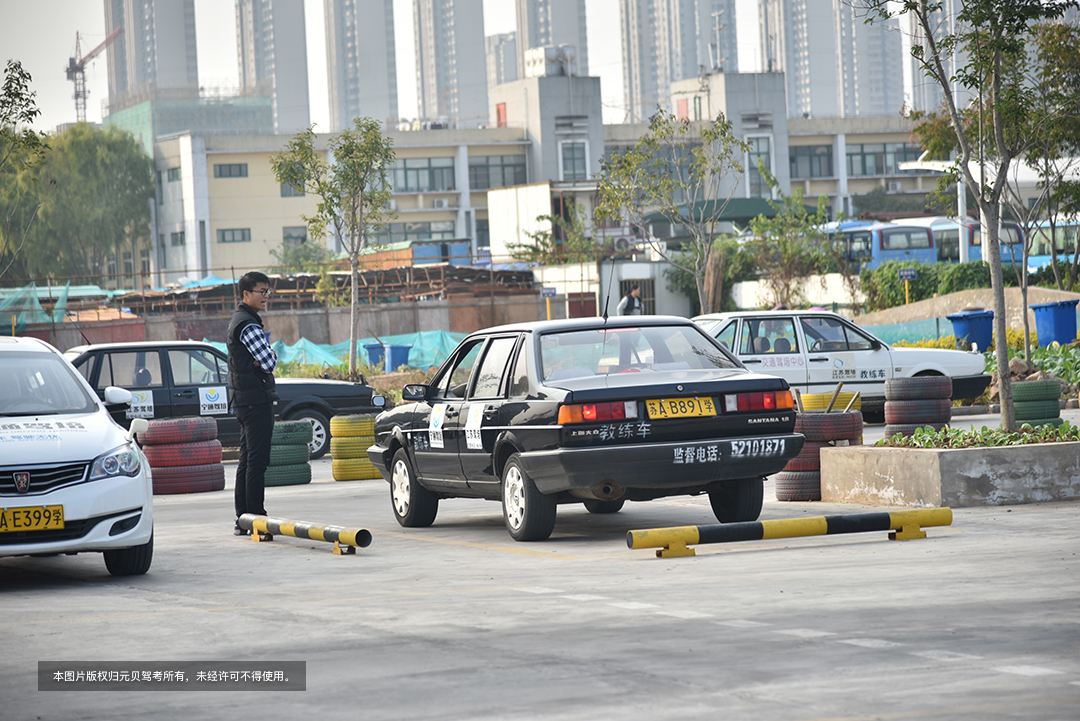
981 620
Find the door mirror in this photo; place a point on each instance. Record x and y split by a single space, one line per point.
875 344
117 396
415 392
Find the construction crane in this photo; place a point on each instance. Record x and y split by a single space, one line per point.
76 71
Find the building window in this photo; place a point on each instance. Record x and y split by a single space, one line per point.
811 161
129 263
483 235
294 235
174 175
759 151
291 191
160 190
575 163
422 175
871 159
163 253
177 239
144 261
234 235
230 170
400 232
496 171
697 107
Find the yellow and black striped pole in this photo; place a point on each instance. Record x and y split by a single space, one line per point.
905 525
345 540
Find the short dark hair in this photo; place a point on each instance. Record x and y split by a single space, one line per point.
248 281
633 287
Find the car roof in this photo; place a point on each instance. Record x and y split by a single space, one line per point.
572 324
139 344
25 343
763 313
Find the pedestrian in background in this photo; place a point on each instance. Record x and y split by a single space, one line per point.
251 380
631 303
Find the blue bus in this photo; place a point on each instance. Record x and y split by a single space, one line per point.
870 243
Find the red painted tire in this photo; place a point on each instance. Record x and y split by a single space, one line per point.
829 426
167 431
931 410
908 429
184 454
809 458
189 479
918 388
798 486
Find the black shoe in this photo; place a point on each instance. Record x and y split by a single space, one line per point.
237 531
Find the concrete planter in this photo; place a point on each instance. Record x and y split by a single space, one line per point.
1002 475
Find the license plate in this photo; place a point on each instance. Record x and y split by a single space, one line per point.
31 518
680 407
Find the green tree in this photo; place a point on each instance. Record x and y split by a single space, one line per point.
688 174
302 257
354 193
737 267
565 242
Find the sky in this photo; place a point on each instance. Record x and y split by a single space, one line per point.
41 34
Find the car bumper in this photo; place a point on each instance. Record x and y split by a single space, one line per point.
660 466
969 386
94 512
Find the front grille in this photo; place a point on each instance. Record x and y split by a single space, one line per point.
42 478
71 531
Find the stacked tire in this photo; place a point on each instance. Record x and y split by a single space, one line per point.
820 401
1036 403
801 478
350 437
289 454
913 403
184 455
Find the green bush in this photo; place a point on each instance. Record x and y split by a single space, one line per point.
883 289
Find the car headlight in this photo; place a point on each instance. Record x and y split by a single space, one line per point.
122 461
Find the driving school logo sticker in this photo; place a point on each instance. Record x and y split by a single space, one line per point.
435 425
213 400
22 481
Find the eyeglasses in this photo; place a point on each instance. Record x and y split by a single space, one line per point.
265 292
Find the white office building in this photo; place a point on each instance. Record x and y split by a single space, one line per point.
360 62
502 58
156 50
272 50
451 68
550 23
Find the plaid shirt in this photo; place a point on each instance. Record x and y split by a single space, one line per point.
254 339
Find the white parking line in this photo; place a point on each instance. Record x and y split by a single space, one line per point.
804 632
935 655
538 589
584 597
741 623
685 614
633 605
1027 670
869 642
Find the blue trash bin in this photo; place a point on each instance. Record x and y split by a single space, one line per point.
975 326
397 356
1055 322
375 353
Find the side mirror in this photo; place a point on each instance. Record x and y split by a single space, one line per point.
415 392
138 425
875 344
117 396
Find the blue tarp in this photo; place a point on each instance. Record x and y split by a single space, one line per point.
209 280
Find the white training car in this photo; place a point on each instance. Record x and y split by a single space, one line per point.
71 479
815 349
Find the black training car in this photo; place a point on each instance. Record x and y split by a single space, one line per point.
587 411
168 379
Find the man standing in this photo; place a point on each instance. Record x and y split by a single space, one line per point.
631 303
251 379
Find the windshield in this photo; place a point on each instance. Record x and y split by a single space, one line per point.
34 384
604 351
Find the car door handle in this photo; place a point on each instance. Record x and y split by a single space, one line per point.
819 360
184 394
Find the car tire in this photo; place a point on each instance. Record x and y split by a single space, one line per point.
797 486
738 500
354 469
289 433
930 410
189 479
414 506
289 455
134 561
354 425
603 507
168 431
821 426
918 388
908 429
184 454
529 514
320 430
1036 391
809 458
351 446
1026 410
293 475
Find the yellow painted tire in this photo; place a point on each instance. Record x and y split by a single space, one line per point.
351 447
353 469
820 401
351 426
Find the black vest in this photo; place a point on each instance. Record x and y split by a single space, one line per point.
249 383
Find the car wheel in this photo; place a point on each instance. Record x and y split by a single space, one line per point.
594 506
320 430
737 500
133 561
528 513
414 505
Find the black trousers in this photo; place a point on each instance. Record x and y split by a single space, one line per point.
256 429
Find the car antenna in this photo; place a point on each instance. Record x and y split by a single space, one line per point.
77 326
607 298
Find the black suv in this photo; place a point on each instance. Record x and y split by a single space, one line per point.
169 379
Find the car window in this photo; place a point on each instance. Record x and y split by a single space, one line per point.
33 383
86 366
493 367
727 335
196 367
130 369
519 379
454 377
829 334
768 335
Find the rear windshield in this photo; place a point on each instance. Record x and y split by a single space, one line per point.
603 351
40 384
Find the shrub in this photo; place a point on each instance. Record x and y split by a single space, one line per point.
947 342
884 289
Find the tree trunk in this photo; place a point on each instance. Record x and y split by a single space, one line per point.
990 213
354 314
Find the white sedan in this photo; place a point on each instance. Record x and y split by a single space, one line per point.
71 479
815 349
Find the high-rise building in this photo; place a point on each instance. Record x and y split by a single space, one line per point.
665 41
360 61
156 51
835 64
451 78
547 23
272 45
502 58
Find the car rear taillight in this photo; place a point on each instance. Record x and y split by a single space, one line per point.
766 401
598 412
